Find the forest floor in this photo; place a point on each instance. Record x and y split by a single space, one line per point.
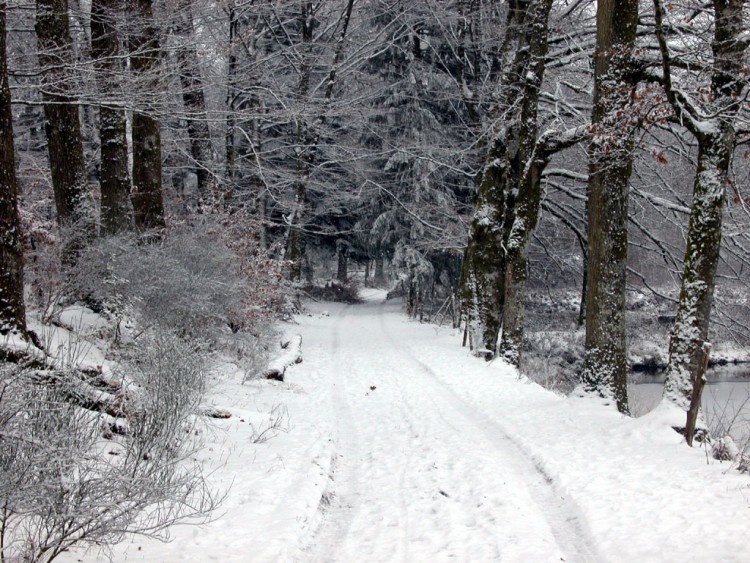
390 442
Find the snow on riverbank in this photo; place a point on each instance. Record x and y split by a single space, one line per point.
401 446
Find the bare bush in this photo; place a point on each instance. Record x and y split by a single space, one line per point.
185 282
62 484
276 423
552 359
333 291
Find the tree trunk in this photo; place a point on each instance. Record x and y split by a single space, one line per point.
230 141
483 273
305 151
115 180
484 259
379 276
689 347
12 309
343 262
309 137
690 330
193 97
148 205
610 165
75 207
531 161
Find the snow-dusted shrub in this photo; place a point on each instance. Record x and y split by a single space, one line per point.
725 449
197 280
62 484
553 358
165 382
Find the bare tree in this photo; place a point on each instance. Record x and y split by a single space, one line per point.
509 162
75 208
12 307
611 160
527 164
712 120
193 95
308 133
115 178
146 195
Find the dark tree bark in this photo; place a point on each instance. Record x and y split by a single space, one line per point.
530 161
309 135
483 276
148 204
610 165
305 151
193 96
115 178
689 347
12 309
342 269
230 142
379 276
75 208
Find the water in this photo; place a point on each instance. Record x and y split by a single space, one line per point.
726 399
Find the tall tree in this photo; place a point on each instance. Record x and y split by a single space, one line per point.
712 120
115 178
510 151
146 195
527 164
308 133
12 309
75 208
610 166
193 95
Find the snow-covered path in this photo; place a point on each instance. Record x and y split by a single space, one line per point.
421 476
403 447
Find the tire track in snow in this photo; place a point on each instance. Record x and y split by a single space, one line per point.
422 478
563 515
340 502
353 458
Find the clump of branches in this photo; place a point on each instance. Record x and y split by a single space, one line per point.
333 291
63 484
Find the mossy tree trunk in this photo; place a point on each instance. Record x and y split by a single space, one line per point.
530 161
73 202
12 308
610 166
483 273
116 215
689 347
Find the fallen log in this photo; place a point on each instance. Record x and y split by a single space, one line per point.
292 354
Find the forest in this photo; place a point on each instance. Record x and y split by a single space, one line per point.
563 181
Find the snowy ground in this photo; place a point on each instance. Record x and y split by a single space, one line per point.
402 447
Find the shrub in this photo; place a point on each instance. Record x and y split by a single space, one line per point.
334 291
62 484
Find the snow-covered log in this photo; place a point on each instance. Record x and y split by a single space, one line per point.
292 355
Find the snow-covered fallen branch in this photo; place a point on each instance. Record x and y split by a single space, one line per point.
292 355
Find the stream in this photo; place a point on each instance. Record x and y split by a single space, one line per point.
726 399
